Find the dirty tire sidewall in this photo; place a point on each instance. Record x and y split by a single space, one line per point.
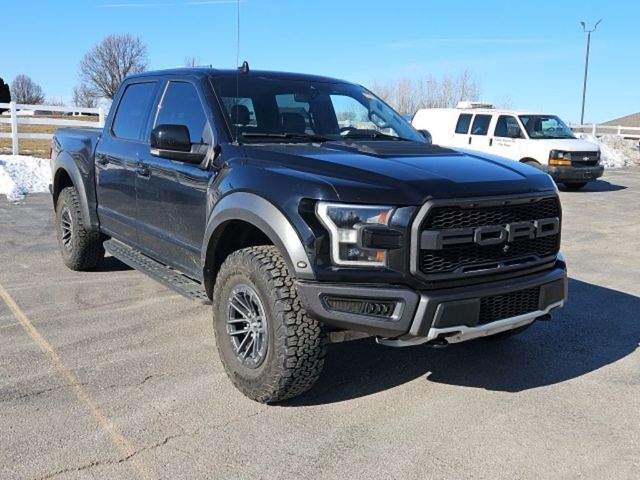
86 250
296 343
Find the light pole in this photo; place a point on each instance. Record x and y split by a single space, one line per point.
586 64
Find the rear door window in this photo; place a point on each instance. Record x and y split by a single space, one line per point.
480 125
464 120
133 111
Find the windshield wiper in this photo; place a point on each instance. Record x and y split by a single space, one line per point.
287 136
374 135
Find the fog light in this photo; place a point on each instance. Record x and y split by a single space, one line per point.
374 308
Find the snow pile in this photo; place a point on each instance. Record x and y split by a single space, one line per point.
616 151
20 175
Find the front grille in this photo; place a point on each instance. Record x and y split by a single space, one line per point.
584 159
441 218
454 259
499 307
582 164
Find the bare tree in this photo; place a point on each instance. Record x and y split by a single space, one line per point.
25 90
103 68
56 102
408 95
84 97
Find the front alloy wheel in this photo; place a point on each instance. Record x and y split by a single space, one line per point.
247 326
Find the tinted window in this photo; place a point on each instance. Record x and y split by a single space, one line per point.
464 120
263 108
481 125
181 106
507 126
132 111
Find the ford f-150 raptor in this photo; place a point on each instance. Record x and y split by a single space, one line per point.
301 206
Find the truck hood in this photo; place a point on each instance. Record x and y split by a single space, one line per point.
569 144
398 172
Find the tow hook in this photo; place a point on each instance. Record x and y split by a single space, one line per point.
438 343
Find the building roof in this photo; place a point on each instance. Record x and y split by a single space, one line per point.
632 120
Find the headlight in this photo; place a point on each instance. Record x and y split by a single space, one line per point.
343 222
558 157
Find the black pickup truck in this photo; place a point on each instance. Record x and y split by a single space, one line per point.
304 208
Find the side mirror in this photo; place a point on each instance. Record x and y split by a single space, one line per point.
427 135
174 142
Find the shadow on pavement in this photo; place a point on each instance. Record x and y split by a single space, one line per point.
599 326
112 264
595 187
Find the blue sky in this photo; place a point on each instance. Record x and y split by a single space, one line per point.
531 53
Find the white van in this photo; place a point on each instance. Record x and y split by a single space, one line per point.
543 141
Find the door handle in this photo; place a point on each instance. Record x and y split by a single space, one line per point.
490 142
470 140
143 170
102 160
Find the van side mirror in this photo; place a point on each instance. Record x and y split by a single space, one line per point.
174 142
427 135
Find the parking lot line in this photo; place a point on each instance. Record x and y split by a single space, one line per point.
118 439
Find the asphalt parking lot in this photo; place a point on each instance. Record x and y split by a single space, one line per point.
108 374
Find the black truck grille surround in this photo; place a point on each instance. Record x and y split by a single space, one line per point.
509 305
460 259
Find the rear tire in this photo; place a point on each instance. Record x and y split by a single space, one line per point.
269 347
81 248
574 185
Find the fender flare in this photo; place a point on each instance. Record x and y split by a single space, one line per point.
264 215
66 163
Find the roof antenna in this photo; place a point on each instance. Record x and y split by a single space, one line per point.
236 110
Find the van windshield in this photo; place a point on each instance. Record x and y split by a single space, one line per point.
545 127
260 108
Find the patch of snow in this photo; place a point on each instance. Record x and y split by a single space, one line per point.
20 175
616 152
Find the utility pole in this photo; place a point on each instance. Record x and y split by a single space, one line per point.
586 64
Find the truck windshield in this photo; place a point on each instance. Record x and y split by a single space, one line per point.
545 127
261 108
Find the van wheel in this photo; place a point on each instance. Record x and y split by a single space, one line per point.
574 185
270 348
81 248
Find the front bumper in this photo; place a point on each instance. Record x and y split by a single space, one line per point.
574 174
422 316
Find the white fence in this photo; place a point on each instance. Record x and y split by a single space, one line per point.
17 117
599 130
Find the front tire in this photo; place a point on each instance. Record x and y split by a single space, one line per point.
269 347
81 248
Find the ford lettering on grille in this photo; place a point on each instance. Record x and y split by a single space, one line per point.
490 234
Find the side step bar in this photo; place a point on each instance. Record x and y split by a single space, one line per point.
158 271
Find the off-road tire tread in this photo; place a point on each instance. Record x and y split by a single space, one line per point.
296 367
88 250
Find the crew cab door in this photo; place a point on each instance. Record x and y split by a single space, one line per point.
507 137
171 194
116 160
